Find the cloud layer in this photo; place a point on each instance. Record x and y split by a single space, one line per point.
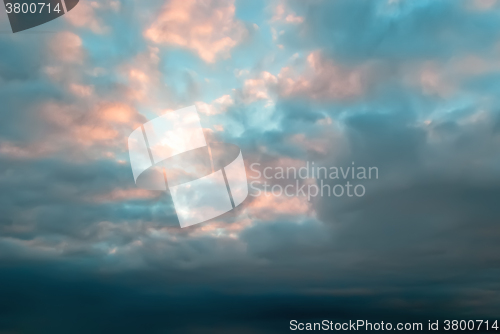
408 87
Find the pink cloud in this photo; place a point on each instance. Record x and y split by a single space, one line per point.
219 127
445 78
206 27
482 4
83 15
433 81
67 47
82 90
268 207
106 124
222 229
121 195
259 88
312 144
30 151
322 79
217 106
144 84
284 14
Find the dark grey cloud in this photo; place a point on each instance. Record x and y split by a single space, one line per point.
398 30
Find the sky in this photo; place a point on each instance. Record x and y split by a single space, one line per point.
408 87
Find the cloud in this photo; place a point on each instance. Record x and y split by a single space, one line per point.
322 79
387 26
84 15
120 195
209 28
107 124
448 78
26 151
284 14
67 47
408 87
258 88
484 4
326 80
217 106
269 207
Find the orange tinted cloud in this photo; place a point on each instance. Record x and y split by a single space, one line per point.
482 4
284 14
106 124
30 151
84 15
121 195
445 78
268 207
144 77
67 47
259 88
206 27
81 90
322 79
217 106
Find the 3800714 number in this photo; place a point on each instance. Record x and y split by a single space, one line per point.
462 325
31 8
